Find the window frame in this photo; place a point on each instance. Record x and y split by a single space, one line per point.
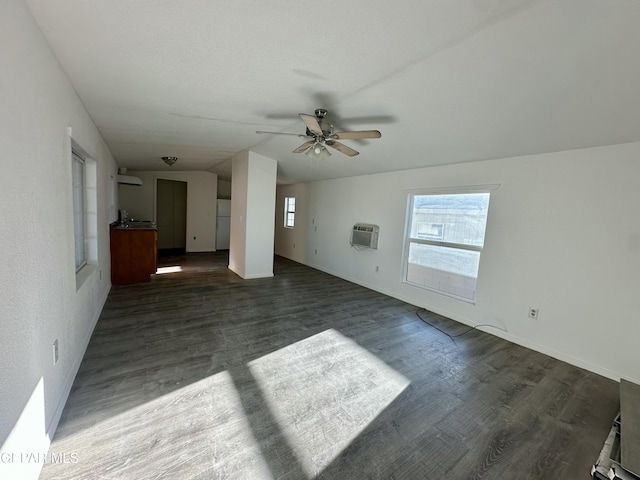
79 181
409 240
288 211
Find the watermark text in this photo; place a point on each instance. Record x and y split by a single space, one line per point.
38 457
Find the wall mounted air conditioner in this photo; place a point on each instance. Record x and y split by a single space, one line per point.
364 235
129 180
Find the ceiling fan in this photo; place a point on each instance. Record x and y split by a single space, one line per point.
321 135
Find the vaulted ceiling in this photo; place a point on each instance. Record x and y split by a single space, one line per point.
444 81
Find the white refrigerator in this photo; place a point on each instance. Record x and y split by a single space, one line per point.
223 224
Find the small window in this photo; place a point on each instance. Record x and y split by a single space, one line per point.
445 237
79 212
289 211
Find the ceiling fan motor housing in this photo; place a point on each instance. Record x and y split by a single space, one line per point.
326 127
321 133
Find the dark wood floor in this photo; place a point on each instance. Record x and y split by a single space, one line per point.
202 375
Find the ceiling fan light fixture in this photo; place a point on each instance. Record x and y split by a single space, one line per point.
320 134
170 160
325 153
318 150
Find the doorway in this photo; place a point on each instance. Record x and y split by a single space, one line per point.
171 215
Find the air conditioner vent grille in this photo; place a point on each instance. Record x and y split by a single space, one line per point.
364 235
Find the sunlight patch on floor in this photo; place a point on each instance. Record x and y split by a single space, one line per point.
199 429
172 269
324 391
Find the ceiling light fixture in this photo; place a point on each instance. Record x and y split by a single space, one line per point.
170 160
318 150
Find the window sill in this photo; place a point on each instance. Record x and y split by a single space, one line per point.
472 301
83 275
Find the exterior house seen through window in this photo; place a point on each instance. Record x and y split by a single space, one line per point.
289 211
444 241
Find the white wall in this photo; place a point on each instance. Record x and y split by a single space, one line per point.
238 230
140 203
563 235
293 242
260 214
252 211
39 302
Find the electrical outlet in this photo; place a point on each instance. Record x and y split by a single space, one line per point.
377 268
533 312
56 353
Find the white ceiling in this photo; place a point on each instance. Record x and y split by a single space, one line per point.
444 81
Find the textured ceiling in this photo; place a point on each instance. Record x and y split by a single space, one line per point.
444 81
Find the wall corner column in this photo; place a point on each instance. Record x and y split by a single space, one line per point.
253 194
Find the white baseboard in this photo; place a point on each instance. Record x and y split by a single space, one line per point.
258 275
562 356
71 375
26 448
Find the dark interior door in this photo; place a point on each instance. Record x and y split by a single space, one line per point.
171 208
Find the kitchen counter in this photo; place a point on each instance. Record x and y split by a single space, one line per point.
135 224
134 252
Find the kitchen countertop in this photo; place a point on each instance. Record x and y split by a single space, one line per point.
135 225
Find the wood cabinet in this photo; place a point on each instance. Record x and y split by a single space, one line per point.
133 254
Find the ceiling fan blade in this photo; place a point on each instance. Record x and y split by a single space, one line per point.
312 123
342 148
304 147
281 133
362 134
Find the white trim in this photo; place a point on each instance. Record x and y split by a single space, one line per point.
488 188
287 211
84 273
71 376
79 189
507 336
472 301
408 239
258 275
440 243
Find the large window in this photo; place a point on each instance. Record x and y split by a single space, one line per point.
445 237
289 211
79 216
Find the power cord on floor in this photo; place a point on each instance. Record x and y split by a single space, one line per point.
459 334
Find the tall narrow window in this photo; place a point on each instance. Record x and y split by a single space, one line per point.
289 211
79 215
445 237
